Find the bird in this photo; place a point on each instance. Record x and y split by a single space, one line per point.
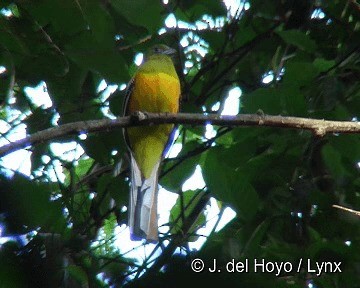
155 88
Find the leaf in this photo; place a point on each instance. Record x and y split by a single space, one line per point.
7 76
103 197
40 119
190 199
116 103
95 148
175 178
246 199
298 39
48 11
127 32
151 17
293 100
194 10
332 159
80 207
83 166
97 57
194 133
247 34
6 4
77 273
214 38
109 226
227 185
254 241
65 91
323 65
10 39
11 272
28 203
347 145
38 152
100 147
266 99
114 268
119 191
299 73
100 22
28 45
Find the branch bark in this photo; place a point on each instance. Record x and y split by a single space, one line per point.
318 127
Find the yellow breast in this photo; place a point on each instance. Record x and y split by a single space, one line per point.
155 92
152 92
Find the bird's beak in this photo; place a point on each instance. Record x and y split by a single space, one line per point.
170 51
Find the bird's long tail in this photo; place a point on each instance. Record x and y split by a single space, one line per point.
143 218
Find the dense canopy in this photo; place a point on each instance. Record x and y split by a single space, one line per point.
63 202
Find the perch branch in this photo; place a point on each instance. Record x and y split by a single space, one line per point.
318 127
347 209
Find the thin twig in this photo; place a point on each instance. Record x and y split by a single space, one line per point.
357 213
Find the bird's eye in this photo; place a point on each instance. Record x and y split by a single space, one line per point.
157 50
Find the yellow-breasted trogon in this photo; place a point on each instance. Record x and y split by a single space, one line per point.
154 88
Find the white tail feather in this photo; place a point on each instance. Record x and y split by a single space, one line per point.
143 204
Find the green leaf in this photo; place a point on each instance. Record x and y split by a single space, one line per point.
119 191
103 197
11 270
40 119
214 38
65 91
323 65
77 273
48 11
116 103
97 57
83 167
293 100
117 266
254 241
38 152
248 32
100 147
194 133
100 22
266 99
299 73
10 39
225 140
28 45
227 185
194 10
6 77
187 204
246 199
80 207
146 13
332 159
347 145
263 163
175 178
5 4
95 148
109 226
29 203
298 39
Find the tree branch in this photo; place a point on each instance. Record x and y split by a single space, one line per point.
318 127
